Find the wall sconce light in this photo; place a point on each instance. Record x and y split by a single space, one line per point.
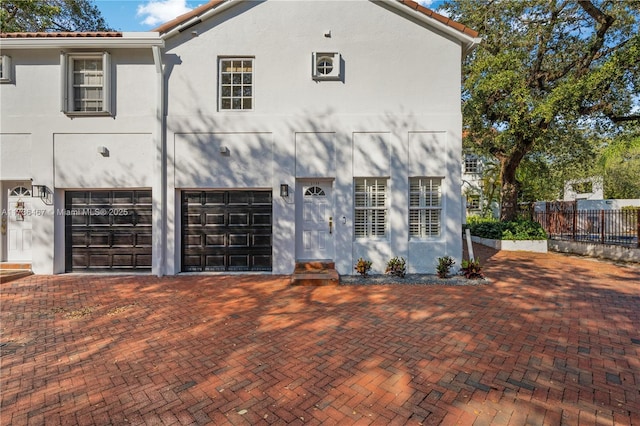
284 190
102 150
38 191
224 150
42 192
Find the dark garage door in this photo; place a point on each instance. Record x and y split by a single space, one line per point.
108 230
226 231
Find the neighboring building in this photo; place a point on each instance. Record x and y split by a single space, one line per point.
472 184
584 189
242 136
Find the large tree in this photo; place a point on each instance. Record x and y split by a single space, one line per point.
545 75
50 15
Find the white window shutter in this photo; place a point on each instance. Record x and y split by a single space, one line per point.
64 82
6 76
106 89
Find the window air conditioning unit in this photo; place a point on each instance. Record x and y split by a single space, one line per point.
326 66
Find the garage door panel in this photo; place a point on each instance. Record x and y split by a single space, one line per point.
108 230
192 240
236 226
215 240
214 219
238 219
261 263
123 240
143 261
239 240
215 198
143 239
260 240
99 261
123 198
100 198
77 218
99 220
239 262
261 219
79 239
143 217
215 263
239 198
99 240
122 219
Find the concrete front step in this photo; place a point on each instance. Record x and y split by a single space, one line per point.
7 275
315 273
14 265
13 271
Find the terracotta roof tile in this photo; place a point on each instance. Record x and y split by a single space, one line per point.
102 34
447 21
166 27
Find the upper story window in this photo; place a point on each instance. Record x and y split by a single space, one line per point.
236 84
5 69
326 66
471 164
425 207
371 208
86 83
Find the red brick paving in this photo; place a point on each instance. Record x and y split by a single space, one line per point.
551 340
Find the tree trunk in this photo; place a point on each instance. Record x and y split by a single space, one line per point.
509 189
508 166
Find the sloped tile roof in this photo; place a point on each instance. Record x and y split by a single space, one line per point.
184 18
101 34
409 3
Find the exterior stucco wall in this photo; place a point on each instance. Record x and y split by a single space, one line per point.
395 114
42 144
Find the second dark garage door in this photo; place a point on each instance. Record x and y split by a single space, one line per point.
226 231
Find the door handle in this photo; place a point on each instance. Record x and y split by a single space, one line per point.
331 225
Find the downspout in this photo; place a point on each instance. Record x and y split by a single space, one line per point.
161 175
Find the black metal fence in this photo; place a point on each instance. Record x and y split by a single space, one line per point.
619 227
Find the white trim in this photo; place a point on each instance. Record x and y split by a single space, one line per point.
140 41
468 43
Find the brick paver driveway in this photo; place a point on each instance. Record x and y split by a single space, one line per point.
551 340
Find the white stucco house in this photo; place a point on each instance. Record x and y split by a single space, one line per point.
242 136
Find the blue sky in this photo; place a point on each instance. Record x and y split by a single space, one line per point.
144 15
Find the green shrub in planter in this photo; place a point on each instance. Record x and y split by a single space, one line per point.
515 230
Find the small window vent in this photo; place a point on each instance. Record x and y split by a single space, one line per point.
326 66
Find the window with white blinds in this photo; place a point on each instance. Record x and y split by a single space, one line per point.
86 83
425 207
370 208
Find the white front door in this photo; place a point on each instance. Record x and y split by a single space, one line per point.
19 225
314 220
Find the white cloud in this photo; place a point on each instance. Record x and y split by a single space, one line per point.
159 11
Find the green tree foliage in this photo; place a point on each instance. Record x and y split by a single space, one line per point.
50 16
545 73
619 163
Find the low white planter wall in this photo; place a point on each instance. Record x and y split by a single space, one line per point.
537 246
625 254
